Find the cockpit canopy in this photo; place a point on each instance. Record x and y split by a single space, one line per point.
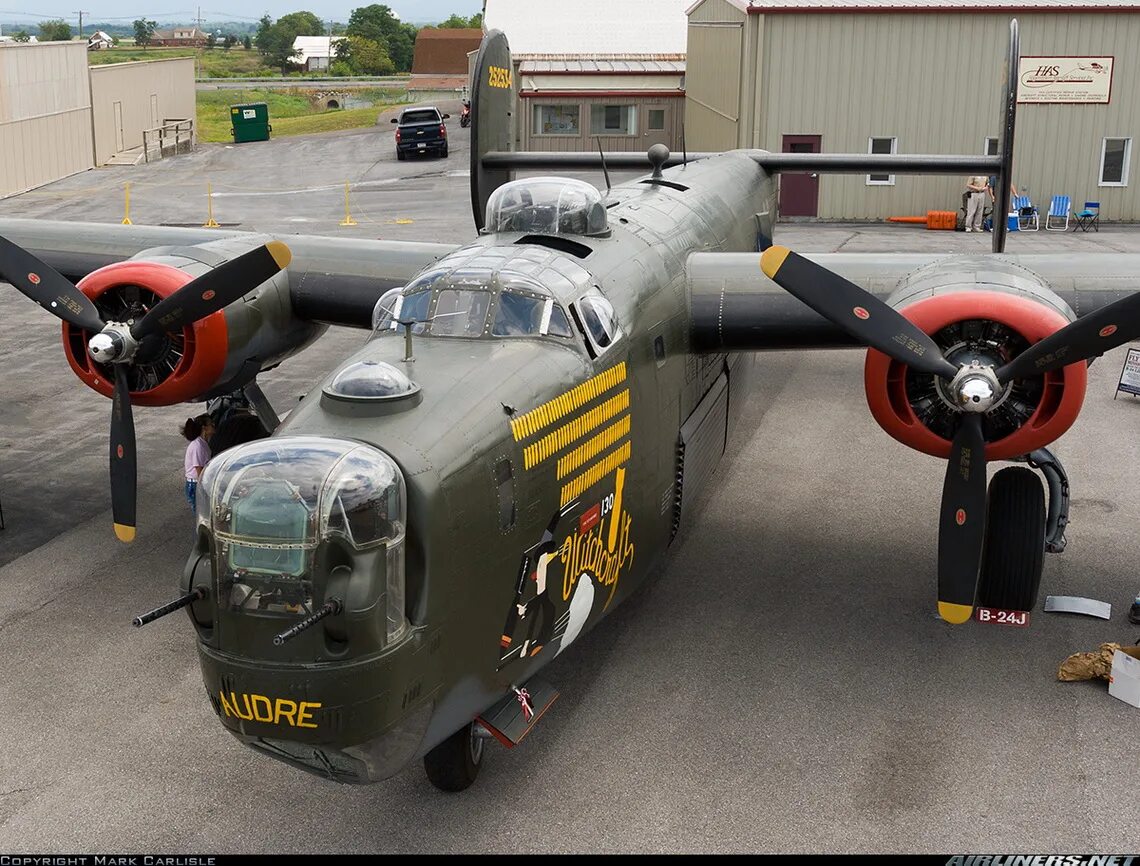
547 205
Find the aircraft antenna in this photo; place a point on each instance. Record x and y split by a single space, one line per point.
605 170
684 152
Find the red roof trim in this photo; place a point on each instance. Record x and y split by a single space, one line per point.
926 10
578 94
672 72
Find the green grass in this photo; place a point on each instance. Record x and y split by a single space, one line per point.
290 112
214 63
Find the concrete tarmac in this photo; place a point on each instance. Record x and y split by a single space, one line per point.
783 685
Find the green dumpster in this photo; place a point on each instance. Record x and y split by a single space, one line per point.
250 122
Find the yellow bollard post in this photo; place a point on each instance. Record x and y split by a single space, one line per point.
210 223
127 204
348 220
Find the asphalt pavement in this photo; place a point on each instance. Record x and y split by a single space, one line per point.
783 685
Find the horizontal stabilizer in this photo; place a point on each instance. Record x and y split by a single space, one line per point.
830 163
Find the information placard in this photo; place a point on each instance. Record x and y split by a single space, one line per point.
1130 374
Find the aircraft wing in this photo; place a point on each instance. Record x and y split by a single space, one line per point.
331 280
735 307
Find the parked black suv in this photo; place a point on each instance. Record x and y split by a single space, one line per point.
421 130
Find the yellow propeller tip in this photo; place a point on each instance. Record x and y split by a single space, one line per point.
281 253
771 260
124 533
955 613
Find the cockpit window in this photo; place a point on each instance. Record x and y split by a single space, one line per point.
460 313
559 326
477 302
598 321
414 308
518 315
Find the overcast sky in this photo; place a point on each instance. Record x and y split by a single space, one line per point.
216 10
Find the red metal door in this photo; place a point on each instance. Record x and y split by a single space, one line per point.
799 191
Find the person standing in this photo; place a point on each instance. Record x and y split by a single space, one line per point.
197 431
976 188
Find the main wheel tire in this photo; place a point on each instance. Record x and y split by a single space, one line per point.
1015 541
454 764
443 151
400 155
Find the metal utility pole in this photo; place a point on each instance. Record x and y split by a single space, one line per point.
198 53
81 13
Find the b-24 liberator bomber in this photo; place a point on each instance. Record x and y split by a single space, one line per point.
514 449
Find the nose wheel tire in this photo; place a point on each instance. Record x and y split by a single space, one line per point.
454 764
1015 541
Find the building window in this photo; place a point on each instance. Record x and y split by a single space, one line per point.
656 119
881 145
613 120
556 120
1115 155
991 147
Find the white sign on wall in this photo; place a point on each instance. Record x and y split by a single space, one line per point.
1064 80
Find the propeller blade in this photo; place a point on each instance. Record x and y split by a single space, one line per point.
47 287
1085 338
124 469
962 523
859 313
218 288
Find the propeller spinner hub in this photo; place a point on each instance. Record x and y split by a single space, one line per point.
976 389
113 343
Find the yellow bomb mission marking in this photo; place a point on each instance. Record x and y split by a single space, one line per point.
561 406
258 708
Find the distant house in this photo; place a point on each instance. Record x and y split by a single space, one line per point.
316 52
179 36
439 64
98 41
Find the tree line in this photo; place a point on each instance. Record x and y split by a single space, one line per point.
375 41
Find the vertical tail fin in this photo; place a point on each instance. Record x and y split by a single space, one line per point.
492 118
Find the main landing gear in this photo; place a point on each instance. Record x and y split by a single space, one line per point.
1019 531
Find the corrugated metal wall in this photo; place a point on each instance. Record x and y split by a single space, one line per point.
148 93
45 114
713 82
933 81
585 140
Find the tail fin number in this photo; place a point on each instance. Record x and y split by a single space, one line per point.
499 77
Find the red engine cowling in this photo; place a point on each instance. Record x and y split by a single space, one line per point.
1048 408
186 365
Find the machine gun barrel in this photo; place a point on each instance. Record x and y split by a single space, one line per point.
330 607
178 603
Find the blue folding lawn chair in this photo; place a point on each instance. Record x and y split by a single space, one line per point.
1027 219
1059 210
1089 217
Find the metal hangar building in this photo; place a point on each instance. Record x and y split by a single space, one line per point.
921 76
595 71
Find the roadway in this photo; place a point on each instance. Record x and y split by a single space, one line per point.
782 686
287 83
